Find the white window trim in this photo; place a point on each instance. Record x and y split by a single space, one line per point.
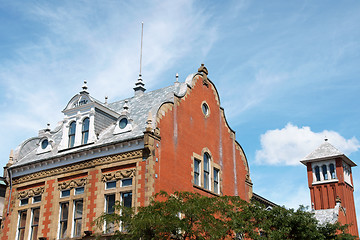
320 164
128 127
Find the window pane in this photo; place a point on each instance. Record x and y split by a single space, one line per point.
324 170
196 172
78 205
21 234
110 185
317 173
123 123
35 224
24 201
110 203
64 208
44 143
332 171
85 131
37 199
34 232
126 182
64 211
72 129
65 193
79 190
86 124
206 171
22 222
127 199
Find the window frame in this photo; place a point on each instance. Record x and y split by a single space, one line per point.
63 235
85 130
21 229
76 220
32 225
216 180
206 171
197 172
71 134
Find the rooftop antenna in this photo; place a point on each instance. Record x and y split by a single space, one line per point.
139 85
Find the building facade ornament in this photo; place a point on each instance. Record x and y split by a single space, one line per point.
118 175
73 183
30 192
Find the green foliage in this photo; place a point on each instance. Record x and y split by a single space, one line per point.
185 215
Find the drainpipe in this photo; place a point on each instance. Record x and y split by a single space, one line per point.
10 176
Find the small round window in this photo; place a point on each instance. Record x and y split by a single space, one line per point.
123 123
44 143
205 109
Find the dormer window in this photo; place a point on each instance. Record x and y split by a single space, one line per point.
85 131
44 144
123 123
72 130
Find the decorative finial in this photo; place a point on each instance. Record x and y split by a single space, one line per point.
177 77
84 87
126 107
47 128
203 70
139 85
106 99
326 139
149 122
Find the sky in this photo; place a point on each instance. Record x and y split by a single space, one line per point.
287 72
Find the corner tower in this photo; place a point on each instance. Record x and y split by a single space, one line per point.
331 186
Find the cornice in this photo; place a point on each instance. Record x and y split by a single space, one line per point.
78 166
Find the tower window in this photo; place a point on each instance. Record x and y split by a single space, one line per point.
332 171
85 131
72 130
216 180
324 172
205 109
317 173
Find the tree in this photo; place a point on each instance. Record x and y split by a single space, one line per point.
185 215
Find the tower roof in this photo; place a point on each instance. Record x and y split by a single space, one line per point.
324 152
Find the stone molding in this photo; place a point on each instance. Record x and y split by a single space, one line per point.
78 166
73 183
127 173
31 192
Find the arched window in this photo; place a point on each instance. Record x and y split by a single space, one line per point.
72 130
332 171
324 172
85 131
317 173
206 171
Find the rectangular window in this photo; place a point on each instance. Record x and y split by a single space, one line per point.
36 199
126 199
79 190
35 223
110 185
216 180
78 212
64 213
126 182
24 202
65 193
196 172
109 208
21 225
206 173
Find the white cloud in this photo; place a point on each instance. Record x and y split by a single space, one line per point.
291 143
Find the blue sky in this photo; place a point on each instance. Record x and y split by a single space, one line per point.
287 71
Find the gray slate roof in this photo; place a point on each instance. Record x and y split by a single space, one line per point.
139 108
326 151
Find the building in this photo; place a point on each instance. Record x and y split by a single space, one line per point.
331 186
174 138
